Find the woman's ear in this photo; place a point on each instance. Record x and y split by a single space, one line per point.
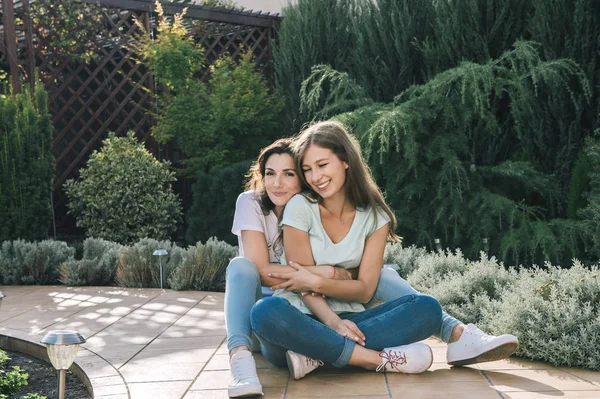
345 165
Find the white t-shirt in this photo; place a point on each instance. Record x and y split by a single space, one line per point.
305 215
249 216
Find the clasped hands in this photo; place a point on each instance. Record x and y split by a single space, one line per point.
304 281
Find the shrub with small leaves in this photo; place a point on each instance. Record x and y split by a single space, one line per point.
124 194
555 314
405 257
23 262
97 267
138 268
204 267
458 283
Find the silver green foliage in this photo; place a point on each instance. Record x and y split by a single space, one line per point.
24 262
139 268
555 312
97 267
204 267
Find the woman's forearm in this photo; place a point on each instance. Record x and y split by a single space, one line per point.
345 290
320 308
268 281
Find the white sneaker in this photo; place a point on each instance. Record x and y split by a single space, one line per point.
408 359
243 380
300 365
475 346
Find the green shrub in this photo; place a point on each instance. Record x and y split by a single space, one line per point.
224 122
23 262
441 153
591 213
124 194
204 267
213 203
407 258
218 123
312 32
459 284
97 267
138 268
26 165
456 282
554 313
579 186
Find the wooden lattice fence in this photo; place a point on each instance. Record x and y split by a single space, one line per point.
113 92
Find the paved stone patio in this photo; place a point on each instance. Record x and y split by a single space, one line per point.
163 344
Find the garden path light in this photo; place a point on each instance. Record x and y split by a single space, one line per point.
160 253
62 347
486 245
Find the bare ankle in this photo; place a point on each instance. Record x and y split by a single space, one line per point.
237 349
456 333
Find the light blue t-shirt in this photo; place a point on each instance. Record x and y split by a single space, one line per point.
303 214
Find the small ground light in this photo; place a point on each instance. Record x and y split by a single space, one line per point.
486 245
160 253
438 244
62 347
1 298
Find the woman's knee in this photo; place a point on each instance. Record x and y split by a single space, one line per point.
267 311
431 310
242 268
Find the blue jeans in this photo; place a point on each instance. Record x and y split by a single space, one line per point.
281 327
391 286
242 290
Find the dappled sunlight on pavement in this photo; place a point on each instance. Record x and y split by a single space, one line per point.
163 344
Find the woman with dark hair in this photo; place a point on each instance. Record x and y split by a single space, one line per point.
343 220
272 181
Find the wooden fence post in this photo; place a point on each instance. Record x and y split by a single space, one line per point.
10 38
29 44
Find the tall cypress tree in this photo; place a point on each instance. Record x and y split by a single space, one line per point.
26 165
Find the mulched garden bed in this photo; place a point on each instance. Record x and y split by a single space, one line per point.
43 378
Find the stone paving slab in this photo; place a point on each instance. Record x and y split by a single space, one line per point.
164 344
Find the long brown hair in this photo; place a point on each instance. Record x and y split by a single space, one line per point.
360 187
256 174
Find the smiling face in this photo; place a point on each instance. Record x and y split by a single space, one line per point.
281 180
324 171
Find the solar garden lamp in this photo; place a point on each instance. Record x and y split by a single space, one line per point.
438 244
1 298
160 253
62 347
486 245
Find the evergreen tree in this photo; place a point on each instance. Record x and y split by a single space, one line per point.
451 165
312 32
26 165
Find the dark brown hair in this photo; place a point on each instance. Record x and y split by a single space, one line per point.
256 174
360 187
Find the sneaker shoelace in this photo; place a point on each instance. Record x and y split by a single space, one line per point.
393 358
244 369
313 362
477 333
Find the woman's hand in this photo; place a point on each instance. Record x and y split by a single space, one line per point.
348 329
300 280
341 274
